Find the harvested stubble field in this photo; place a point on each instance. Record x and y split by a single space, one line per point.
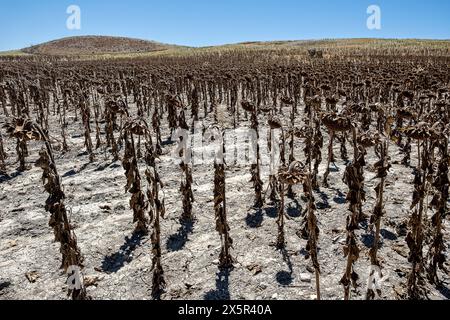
140 226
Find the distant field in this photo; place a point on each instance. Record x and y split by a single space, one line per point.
13 53
355 43
99 47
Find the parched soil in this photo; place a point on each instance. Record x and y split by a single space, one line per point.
117 264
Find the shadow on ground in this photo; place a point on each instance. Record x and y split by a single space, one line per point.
116 261
222 291
255 219
177 241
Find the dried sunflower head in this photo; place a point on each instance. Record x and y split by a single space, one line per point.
248 106
375 107
287 100
407 114
174 101
23 128
116 106
275 123
335 122
360 108
137 126
420 131
266 109
293 175
369 139
315 102
332 100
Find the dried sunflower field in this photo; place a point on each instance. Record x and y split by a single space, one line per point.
339 189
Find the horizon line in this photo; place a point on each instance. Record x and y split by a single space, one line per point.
225 44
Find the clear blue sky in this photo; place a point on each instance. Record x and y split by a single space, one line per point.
212 22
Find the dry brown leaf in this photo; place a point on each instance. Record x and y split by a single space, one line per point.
254 268
32 276
90 281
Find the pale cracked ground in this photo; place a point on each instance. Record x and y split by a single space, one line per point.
100 211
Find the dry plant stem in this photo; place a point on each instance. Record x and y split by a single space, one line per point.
407 151
415 237
225 259
222 227
172 104
437 248
317 154
313 232
290 192
292 136
330 158
283 148
63 123
156 123
71 254
294 175
255 169
158 272
157 210
22 153
186 182
186 190
194 104
378 211
133 186
110 139
114 108
280 221
86 115
351 249
343 149
273 196
97 127
3 156
382 167
3 101
414 240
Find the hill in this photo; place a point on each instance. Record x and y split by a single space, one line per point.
93 45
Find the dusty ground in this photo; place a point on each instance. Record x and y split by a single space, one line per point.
100 211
